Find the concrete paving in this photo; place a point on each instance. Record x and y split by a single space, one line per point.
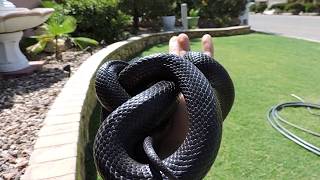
302 27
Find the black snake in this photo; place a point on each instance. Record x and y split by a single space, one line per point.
138 99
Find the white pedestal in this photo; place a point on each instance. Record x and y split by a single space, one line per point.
244 18
6 4
184 15
11 57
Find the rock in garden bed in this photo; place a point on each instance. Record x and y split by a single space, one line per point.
24 102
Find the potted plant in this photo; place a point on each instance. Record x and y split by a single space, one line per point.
166 8
193 18
168 22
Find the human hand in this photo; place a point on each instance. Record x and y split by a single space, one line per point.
174 136
180 45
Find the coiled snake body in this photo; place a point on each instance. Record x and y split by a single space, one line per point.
138 99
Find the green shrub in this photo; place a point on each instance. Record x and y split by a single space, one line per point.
135 8
58 9
161 7
221 12
99 19
192 4
310 7
317 10
261 7
150 10
295 8
278 6
253 8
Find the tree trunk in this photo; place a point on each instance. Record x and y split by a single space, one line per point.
136 20
58 54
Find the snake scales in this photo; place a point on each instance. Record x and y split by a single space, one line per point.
138 99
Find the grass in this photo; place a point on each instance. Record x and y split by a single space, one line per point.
91 172
265 69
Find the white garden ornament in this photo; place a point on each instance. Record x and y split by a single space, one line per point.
12 23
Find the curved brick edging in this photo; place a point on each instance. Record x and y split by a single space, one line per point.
59 152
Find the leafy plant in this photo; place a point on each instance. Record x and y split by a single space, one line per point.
194 13
99 19
59 28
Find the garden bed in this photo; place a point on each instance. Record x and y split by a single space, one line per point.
24 102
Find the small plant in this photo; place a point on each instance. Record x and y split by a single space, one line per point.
54 31
58 27
194 13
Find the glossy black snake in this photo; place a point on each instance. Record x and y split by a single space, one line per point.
138 99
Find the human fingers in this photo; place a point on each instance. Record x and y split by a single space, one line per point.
174 136
207 45
184 43
174 47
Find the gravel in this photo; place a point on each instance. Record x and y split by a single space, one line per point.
24 103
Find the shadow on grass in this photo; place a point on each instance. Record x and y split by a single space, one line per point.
267 33
91 172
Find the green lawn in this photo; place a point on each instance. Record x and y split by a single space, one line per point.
265 69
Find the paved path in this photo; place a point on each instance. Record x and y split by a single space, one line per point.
302 27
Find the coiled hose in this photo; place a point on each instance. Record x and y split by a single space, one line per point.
276 121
